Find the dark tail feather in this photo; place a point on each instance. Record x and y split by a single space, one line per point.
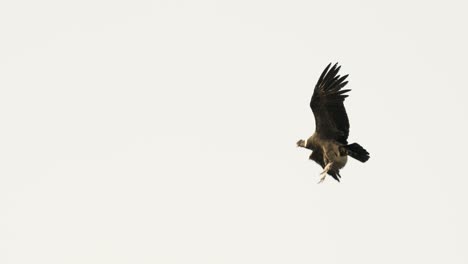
356 151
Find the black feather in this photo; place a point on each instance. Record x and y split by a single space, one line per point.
331 120
358 152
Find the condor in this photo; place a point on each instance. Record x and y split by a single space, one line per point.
329 143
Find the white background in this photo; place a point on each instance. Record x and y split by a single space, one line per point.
164 132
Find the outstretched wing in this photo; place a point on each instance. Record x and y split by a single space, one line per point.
331 120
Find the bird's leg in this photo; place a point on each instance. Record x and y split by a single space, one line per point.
324 172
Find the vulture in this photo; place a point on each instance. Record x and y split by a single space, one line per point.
329 143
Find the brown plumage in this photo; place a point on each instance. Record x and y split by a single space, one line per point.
329 143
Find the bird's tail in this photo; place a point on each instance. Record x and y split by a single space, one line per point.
356 151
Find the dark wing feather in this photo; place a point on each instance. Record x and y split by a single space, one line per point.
331 120
317 156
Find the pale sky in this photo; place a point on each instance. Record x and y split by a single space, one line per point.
164 132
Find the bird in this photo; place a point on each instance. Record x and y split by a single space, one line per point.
329 142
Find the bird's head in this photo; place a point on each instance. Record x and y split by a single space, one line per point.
301 143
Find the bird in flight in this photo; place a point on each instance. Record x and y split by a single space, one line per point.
329 143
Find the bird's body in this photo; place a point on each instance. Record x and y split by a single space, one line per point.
326 151
332 151
329 145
